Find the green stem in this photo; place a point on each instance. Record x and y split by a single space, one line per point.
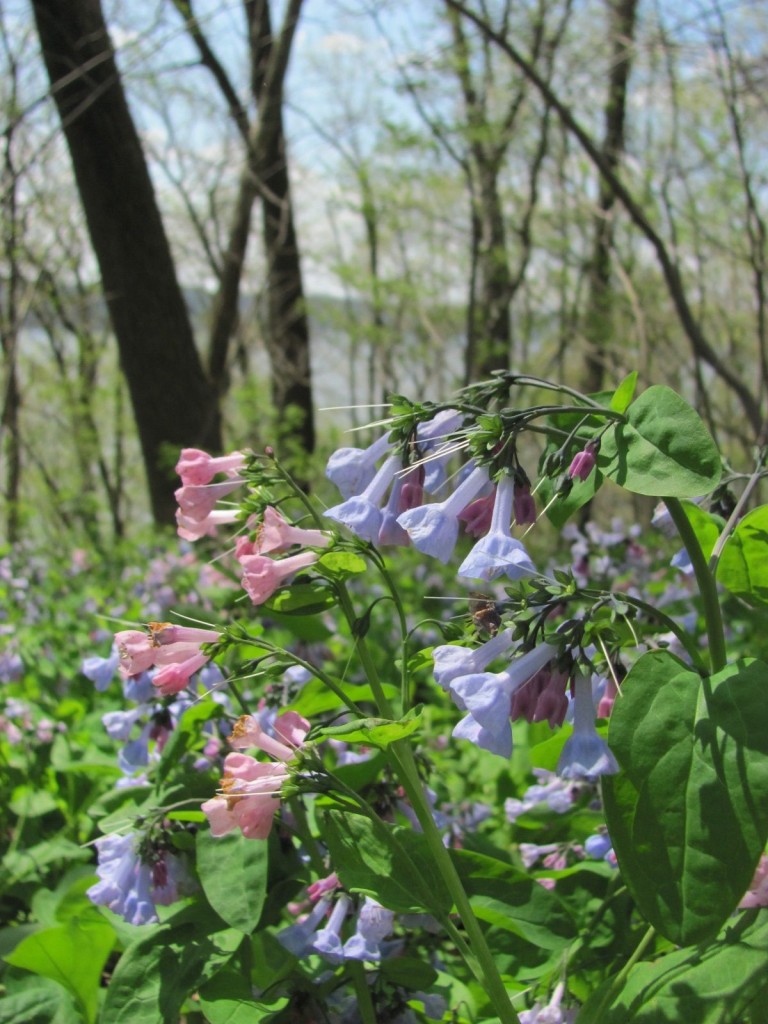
364 1002
617 983
480 959
706 583
478 956
730 526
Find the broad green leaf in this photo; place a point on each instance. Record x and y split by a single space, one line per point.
308 598
663 448
390 863
706 526
18 865
157 972
624 393
233 874
688 813
408 973
510 899
46 1003
375 732
724 983
28 802
228 999
315 698
72 955
340 565
743 565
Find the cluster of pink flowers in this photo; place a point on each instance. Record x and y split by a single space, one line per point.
174 651
197 515
250 790
261 574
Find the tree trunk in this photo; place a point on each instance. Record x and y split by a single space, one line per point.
173 402
287 322
599 320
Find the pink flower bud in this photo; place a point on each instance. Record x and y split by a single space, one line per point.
583 463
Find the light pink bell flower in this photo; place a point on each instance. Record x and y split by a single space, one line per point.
262 576
197 501
196 467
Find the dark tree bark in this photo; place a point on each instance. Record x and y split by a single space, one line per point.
599 320
174 404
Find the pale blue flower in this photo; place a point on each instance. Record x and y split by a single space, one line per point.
374 924
352 469
297 938
499 553
585 755
434 528
487 696
327 941
452 661
101 670
362 514
124 884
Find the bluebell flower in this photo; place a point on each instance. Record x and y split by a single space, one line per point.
452 661
362 514
139 688
374 924
352 469
100 670
598 845
327 941
124 884
297 938
487 696
498 553
585 755
434 528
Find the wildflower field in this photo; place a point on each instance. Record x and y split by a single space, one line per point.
429 743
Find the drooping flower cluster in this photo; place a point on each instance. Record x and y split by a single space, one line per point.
533 687
173 651
197 516
249 794
433 527
136 876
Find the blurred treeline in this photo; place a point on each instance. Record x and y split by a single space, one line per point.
220 217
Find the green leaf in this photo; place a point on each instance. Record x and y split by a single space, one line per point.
315 698
228 999
688 813
715 985
157 972
706 526
72 955
510 899
664 448
340 565
743 566
390 863
408 973
28 802
233 874
46 1003
375 732
624 393
308 598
